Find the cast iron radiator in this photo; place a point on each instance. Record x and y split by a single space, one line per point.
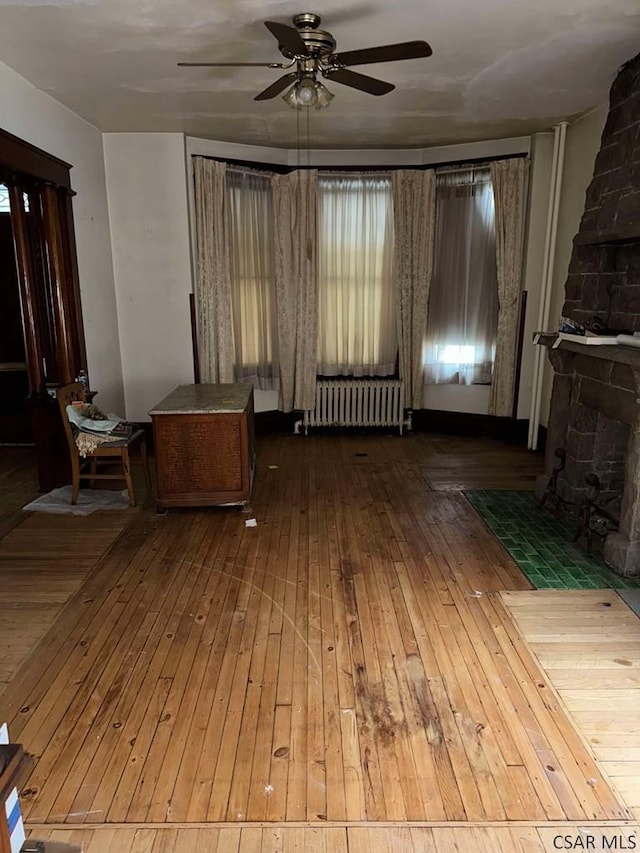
357 402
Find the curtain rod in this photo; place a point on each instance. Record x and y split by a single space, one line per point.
467 165
367 173
458 169
443 168
247 170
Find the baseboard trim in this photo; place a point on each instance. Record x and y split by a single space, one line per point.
275 421
424 420
470 424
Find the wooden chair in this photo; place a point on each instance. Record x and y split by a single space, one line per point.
103 454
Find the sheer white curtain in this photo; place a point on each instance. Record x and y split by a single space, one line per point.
250 224
463 305
356 322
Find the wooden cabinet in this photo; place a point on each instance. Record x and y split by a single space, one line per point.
204 445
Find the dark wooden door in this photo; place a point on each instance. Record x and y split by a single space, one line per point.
15 417
41 218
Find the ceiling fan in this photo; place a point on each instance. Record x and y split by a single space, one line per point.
311 52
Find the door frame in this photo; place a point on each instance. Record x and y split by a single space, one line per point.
45 248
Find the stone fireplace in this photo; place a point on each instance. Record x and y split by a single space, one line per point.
595 418
595 403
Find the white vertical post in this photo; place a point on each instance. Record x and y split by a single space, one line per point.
555 193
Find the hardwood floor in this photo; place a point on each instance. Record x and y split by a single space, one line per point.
43 559
18 484
347 839
348 660
453 463
588 644
43 562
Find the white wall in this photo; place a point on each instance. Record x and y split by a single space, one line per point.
37 118
472 399
582 146
149 217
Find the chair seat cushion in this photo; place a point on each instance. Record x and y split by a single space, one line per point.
123 442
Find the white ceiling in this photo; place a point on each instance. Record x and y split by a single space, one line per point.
499 67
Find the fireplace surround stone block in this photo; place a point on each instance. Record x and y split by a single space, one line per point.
598 425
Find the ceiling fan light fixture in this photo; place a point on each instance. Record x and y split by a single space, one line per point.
324 96
307 92
289 98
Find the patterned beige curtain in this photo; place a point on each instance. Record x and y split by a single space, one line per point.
250 217
509 178
296 275
414 218
215 323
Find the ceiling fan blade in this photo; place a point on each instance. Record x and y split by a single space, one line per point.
385 53
231 64
359 81
275 88
288 37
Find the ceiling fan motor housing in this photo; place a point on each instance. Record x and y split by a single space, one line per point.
318 42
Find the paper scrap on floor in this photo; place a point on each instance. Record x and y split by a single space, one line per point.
89 500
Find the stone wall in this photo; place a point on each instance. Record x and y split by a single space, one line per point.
596 444
595 419
594 408
604 272
595 411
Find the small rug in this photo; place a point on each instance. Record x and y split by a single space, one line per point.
89 500
541 544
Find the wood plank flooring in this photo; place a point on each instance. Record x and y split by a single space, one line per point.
348 659
44 559
18 484
454 463
396 838
588 644
346 676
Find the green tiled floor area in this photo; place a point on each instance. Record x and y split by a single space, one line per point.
541 544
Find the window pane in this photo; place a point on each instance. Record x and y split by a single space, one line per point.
356 327
5 205
463 303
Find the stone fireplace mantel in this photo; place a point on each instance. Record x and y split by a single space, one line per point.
618 354
595 418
